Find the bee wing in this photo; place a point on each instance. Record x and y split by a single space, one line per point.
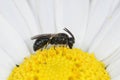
41 35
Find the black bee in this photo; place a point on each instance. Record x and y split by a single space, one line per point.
53 39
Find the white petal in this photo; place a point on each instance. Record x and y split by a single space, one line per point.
113 57
93 4
113 69
24 8
12 42
96 19
46 16
14 17
108 30
58 14
12 14
114 6
6 65
110 21
35 9
116 78
108 41
73 15
107 25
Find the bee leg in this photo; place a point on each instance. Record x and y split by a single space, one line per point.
41 49
46 45
66 46
63 45
54 47
60 45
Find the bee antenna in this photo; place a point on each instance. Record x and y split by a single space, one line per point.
69 32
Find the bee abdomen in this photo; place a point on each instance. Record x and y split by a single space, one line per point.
40 43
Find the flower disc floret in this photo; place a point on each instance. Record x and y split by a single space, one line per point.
60 63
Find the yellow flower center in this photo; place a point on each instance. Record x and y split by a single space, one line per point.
60 63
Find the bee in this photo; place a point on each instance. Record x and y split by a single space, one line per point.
43 40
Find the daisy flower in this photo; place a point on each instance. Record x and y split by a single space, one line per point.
95 25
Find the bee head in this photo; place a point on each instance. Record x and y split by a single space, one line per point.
71 41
